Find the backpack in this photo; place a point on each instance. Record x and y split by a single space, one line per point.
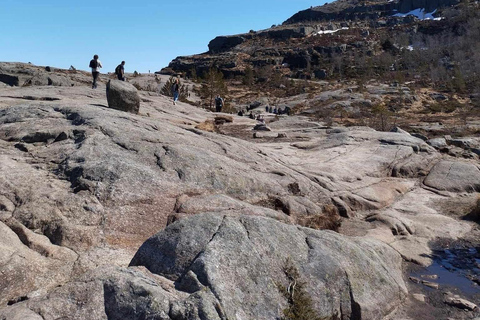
117 70
93 63
218 102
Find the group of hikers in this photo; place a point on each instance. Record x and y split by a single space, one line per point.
96 65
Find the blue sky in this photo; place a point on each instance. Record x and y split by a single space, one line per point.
146 34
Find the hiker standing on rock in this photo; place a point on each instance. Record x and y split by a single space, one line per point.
95 64
120 71
175 90
218 103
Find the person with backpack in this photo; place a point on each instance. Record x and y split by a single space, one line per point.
95 64
218 103
120 71
175 90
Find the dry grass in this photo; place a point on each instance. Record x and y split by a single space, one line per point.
207 125
329 219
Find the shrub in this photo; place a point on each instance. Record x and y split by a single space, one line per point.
329 219
447 106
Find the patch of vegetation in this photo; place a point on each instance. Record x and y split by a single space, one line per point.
329 219
300 304
447 106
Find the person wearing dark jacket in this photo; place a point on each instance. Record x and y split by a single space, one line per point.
175 90
120 71
95 64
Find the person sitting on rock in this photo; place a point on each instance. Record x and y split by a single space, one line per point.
240 113
251 116
120 71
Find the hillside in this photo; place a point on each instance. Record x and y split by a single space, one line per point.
362 203
395 59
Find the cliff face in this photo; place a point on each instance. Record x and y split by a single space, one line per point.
310 39
361 10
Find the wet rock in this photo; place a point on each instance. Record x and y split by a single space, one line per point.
430 284
123 96
419 297
456 301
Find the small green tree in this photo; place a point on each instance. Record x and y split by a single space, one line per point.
213 84
248 78
167 89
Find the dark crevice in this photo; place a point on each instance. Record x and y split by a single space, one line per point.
32 98
17 300
356 310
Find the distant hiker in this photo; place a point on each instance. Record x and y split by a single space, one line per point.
120 71
175 90
240 113
275 110
218 103
251 116
270 110
266 108
95 64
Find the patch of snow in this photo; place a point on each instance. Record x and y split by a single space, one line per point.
419 13
410 48
331 31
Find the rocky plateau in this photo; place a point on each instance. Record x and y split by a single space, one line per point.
107 214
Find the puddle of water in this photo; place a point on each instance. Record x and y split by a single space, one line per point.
457 268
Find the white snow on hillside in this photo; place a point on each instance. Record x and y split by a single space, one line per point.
419 13
331 31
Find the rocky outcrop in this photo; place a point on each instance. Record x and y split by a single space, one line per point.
242 261
354 10
224 43
122 96
454 176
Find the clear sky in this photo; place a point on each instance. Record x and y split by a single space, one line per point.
146 34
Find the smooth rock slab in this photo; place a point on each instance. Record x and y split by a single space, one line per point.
123 96
242 259
454 176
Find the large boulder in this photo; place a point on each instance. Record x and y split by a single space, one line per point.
123 96
247 260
